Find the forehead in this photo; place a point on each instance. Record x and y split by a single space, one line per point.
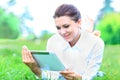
63 20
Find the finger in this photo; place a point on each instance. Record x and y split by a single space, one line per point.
66 72
31 57
25 54
70 76
24 51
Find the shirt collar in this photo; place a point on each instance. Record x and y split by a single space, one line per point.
77 45
79 42
64 43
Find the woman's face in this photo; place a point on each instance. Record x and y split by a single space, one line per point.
67 28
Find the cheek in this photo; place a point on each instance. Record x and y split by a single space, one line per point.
70 29
75 31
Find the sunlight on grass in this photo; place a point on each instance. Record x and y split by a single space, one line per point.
12 67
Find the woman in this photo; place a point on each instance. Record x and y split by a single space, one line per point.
80 51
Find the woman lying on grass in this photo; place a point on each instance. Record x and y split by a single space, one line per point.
79 50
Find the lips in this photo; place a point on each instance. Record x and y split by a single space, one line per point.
66 36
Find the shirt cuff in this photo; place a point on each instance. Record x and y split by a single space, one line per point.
46 74
86 78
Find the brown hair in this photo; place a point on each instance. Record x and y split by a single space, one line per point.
68 10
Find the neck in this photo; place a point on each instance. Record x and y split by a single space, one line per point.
74 41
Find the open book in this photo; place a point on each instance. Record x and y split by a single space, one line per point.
47 60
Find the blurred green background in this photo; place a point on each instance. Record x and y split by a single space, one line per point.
12 40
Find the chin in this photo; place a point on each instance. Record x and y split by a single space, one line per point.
68 40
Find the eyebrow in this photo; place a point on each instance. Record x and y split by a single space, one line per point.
58 27
63 25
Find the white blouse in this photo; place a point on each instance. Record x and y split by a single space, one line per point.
84 58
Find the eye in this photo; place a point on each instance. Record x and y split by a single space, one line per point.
66 26
58 28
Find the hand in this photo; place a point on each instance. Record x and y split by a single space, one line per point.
29 61
27 57
70 75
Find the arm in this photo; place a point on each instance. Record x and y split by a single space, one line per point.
30 62
95 61
88 25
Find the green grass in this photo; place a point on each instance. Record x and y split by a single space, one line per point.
111 63
12 67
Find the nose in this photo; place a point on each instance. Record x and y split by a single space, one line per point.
62 31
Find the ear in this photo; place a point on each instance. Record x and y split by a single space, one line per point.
79 23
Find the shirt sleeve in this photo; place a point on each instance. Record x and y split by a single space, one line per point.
94 61
49 46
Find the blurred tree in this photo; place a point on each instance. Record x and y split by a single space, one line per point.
9 25
24 16
45 35
106 9
110 28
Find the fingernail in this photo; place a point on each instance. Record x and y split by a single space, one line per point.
24 46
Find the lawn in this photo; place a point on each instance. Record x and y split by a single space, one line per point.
111 63
12 68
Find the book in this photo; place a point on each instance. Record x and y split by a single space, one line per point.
47 60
